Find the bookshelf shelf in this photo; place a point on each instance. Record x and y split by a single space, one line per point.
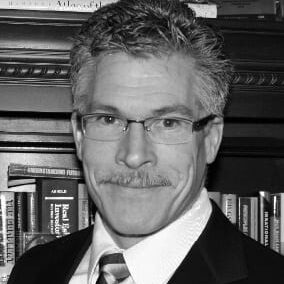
36 100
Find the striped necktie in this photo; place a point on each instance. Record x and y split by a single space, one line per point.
112 269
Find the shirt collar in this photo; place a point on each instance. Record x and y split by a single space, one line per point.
102 243
155 266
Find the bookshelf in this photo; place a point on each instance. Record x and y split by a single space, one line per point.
35 99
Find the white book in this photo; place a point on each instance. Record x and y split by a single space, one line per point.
204 10
229 206
55 5
22 185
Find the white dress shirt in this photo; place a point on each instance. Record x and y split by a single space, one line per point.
147 265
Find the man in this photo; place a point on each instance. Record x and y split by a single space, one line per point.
150 84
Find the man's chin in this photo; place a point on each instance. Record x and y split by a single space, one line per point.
131 231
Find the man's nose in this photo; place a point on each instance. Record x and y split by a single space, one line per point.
135 149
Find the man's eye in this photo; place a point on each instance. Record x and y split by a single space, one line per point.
170 123
107 119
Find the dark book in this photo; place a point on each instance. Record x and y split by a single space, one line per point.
58 206
264 218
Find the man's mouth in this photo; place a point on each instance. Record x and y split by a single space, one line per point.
137 181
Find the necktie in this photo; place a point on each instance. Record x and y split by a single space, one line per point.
112 269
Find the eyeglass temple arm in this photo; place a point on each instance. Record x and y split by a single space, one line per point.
198 125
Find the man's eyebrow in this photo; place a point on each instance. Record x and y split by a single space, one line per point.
104 108
178 109
173 109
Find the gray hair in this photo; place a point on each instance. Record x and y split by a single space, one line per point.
151 27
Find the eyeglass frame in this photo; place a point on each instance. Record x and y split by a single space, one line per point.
196 125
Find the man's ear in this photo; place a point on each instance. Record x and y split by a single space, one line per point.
77 134
213 138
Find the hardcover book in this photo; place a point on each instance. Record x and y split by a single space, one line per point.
58 206
246 9
229 206
248 216
264 217
83 206
32 171
275 219
20 221
7 233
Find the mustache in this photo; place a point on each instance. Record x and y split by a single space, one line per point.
137 179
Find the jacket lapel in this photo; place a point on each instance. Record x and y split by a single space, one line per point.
66 256
216 257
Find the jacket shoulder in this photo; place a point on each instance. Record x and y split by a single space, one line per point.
55 257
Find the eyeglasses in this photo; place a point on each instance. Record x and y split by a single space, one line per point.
160 130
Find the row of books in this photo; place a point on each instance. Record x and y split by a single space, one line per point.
208 9
260 217
39 205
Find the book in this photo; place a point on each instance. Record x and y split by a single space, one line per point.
275 222
258 9
216 196
229 206
264 217
83 206
58 206
33 171
7 233
20 222
32 211
55 5
281 222
248 216
21 187
203 10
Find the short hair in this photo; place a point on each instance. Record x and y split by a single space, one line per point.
152 27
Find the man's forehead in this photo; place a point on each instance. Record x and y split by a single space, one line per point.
156 85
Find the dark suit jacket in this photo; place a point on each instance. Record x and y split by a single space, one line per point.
221 255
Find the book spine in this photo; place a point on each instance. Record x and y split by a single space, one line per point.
216 196
32 212
58 206
244 215
264 218
20 222
83 206
282 223
21 170
92 211
254 218
229 206
55 5
7 233
275 222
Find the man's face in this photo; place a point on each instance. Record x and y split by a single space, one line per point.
139 186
